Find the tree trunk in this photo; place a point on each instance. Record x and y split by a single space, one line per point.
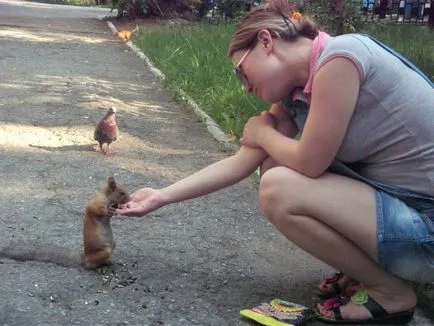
431 16
339 9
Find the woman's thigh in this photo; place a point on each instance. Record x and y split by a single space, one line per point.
346 205
390 232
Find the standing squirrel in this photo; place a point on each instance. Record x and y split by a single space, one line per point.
97 233
98 240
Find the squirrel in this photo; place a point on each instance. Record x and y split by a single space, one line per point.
126 35
98 242
97 233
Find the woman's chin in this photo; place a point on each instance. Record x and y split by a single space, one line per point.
271 98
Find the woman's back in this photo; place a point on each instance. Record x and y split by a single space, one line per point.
391 134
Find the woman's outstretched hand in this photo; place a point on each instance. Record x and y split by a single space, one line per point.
142 202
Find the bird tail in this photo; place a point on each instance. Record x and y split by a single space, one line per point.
45 253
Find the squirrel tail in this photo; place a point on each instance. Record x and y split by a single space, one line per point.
45 253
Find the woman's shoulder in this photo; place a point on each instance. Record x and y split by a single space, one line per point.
355 47
353 43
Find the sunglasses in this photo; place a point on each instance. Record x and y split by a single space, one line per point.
238 70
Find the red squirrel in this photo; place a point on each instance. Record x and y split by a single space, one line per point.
97 233
126 35
98 242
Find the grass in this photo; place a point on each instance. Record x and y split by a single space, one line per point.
194 58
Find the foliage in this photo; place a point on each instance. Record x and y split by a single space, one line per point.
73 2
340 16
130 8
190 9
230 9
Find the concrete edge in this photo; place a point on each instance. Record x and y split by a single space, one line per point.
212 126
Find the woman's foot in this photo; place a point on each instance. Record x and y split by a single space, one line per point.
335 285
338 299
356 307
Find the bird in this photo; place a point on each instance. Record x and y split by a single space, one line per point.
106 131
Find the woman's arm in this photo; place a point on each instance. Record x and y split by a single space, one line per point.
215 176
230 170
334 96
212 178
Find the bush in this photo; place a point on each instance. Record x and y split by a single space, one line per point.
130 8
189 9
340 16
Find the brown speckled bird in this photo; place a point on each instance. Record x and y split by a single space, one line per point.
106 131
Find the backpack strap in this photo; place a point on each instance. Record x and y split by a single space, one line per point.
407 62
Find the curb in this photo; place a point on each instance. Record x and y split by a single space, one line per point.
211 125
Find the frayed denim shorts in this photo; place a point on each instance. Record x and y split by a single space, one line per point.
405 229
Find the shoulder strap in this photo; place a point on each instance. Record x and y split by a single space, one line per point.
407 62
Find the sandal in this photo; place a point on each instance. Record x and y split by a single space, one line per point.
348 293
330 287
379 314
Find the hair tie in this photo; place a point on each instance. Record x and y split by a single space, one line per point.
293 31
296 15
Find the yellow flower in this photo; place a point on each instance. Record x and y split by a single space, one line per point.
296 15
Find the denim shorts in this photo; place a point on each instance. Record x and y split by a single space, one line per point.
405 238
405 229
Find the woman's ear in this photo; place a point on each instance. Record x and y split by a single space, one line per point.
265 40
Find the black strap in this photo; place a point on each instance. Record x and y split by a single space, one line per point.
374 308
337 313
407 62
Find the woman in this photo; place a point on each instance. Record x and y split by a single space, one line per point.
356 189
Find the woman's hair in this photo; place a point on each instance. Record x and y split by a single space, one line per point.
275 16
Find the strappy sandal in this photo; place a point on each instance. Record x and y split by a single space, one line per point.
330 287
379 314
348 292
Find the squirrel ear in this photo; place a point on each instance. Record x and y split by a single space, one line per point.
112 183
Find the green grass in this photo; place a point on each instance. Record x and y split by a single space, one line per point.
194 58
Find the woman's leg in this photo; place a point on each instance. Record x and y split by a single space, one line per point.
344 281
337 284
334 219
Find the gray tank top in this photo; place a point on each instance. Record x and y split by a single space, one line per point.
390 138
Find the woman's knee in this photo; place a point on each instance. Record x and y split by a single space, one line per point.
277 191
